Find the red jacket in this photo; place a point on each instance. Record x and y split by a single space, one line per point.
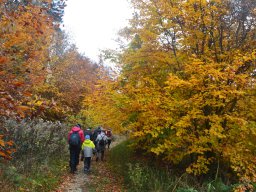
81 133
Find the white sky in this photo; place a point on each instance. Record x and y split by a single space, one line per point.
94 24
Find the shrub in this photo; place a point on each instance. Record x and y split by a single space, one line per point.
37 139
40 157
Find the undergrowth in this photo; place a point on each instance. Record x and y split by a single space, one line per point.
41 177
41 157
140 175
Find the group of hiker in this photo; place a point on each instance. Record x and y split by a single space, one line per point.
87 142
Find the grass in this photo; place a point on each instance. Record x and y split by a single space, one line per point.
138 176
119 157
41 177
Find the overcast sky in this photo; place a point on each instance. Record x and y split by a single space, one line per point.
94 24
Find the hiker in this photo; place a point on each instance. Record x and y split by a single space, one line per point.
88 147
86 132
109 137
96 132
75 140
101 142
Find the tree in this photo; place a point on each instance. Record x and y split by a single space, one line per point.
103 104
25 37
188 77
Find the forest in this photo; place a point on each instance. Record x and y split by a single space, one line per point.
183 92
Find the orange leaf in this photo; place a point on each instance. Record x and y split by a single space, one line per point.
23 108
3 59
3 154
2 143
18 83
28 94
10 143
9 151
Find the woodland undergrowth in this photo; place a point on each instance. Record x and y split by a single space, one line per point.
142 173
40 158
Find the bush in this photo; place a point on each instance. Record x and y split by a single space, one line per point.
138 175
41 155
141 175
37 139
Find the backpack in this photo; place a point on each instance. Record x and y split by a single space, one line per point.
95 134
74 139
101 142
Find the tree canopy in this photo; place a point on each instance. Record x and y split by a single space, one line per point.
186 89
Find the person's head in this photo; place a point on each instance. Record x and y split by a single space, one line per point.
87 136
78 125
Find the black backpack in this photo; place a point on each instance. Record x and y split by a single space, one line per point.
95 134
101 142
74 139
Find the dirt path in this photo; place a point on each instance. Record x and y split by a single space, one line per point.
76 182
80 182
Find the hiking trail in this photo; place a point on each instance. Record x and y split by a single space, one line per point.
81 182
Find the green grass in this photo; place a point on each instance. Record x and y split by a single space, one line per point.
138 176
120 156
41 177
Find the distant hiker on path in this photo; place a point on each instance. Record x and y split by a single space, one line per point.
75 140
88 147
101 142
109 137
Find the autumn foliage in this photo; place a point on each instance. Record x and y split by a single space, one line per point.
42 75
25 36
186 89
103 105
